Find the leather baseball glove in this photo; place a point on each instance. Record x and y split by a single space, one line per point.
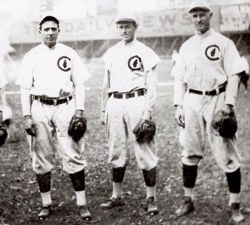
225 124
3 134
145 131
77 128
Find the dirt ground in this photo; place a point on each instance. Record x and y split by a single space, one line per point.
20 200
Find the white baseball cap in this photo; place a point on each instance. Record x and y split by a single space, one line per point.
199 4
126 17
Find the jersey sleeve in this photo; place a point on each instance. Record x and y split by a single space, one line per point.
151 60
79 71
107 60
232 65
179 68
232 61
25 77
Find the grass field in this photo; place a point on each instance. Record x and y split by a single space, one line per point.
20 200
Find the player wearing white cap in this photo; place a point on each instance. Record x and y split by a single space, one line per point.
129 93
52 92
206 81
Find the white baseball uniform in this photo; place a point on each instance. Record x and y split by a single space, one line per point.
206 62
47 73
130 67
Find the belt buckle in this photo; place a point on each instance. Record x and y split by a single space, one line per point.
55 102
124 96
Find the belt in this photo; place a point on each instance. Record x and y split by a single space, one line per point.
209 93
125 95
51 101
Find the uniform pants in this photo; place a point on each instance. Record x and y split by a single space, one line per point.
122 115
52 126
198 112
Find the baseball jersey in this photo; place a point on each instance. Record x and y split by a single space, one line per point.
45 71
128 65
206 61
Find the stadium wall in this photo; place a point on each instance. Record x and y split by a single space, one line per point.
164 31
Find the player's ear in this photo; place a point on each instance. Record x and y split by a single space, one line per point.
211 14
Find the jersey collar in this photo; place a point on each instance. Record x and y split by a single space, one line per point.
45 46
207 33
130 43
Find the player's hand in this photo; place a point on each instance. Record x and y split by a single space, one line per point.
227 109
102 118
30 125
79 113
179 116
64 93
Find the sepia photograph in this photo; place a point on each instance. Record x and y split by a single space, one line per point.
124 112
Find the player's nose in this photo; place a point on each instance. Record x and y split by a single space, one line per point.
50 31
199 18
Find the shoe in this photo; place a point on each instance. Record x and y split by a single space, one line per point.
45 212
237 216
152 207
186 207
84 212
113 202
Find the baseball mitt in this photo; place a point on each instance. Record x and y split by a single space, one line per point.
3 135
225 124
145 131
77 128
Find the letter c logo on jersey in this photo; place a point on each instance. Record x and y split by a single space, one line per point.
63 63
213 52
135 63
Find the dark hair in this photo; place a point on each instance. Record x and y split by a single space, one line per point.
48 18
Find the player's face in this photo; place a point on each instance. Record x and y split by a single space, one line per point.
201 20
127 31
49 33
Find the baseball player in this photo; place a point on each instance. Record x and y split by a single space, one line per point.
206 81
52 92
129 93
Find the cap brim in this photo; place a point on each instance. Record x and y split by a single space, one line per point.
49 17
199 8
125 20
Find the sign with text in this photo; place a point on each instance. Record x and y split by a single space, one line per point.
235 18
163 23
